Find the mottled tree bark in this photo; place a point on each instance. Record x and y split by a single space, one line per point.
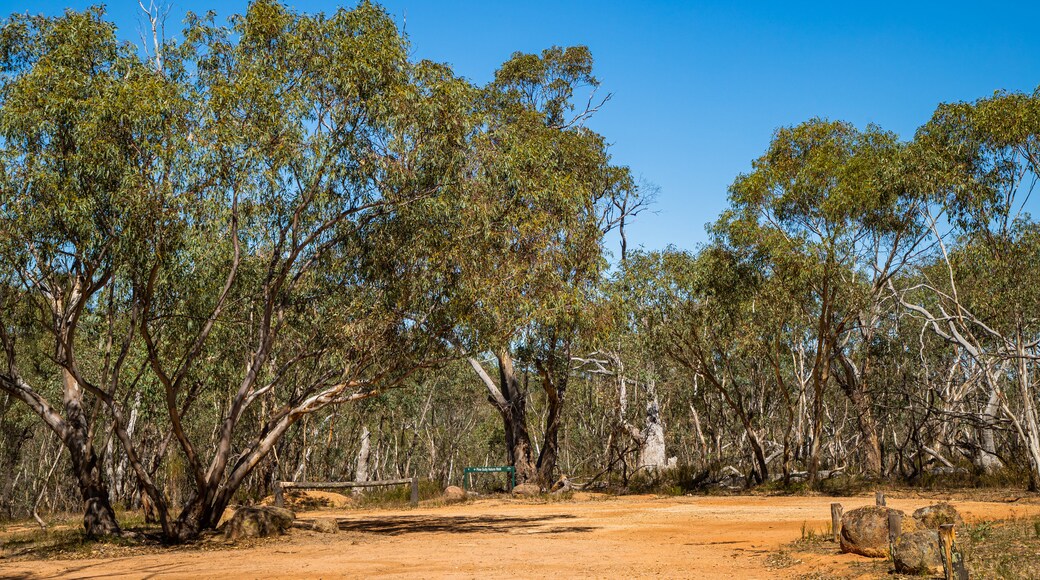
510 400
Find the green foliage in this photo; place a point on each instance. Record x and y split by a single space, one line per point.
220 243
276 215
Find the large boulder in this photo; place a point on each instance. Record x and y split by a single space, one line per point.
527 489
454 494
918 552
258 522
864 530
936 515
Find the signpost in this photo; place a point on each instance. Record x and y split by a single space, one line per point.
491 469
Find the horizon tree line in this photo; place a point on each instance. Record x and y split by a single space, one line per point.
283 248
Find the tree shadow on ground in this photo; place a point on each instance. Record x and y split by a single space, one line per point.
398 525
84 570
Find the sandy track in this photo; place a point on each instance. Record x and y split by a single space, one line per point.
626 537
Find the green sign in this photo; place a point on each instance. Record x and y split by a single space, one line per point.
492 469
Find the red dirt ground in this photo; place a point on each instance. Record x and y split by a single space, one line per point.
587 536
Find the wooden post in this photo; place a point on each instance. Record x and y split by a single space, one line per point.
879 498
836 510
279 497
415 491
895 527
946 536
953 560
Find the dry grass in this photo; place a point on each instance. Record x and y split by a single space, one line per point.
1003 549
66 540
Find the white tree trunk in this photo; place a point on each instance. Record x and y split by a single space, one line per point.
986 455
362 472
1029 416
652 453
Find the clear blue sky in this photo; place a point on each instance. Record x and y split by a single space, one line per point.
700 87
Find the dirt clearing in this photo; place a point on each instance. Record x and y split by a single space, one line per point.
612 537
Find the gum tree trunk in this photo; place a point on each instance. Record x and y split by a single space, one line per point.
99 519
510 401
652 451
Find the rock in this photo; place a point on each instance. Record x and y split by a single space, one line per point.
936 515
527 489
322 525
212 536
454 494
864 530
918 553
258 522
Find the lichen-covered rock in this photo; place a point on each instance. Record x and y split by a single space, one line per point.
454 494
322 525
864 530
936 515
258 522
527 489
918 552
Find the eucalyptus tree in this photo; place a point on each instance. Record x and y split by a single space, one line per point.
77 111
828 207
981 163
549 193
341 152
706 312
243 201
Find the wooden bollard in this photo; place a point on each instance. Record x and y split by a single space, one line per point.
415 492
279 497
953 560
836 510
895 527
879 498
946 538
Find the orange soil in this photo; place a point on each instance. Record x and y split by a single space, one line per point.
616 537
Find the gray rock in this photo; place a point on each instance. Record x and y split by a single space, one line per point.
864 530
918 553
454 494
258 522
936 515
527 489
322 525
